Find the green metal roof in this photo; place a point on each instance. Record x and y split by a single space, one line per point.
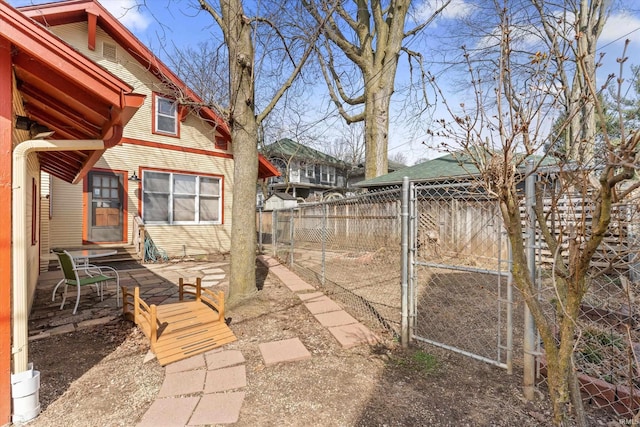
456 166
291 149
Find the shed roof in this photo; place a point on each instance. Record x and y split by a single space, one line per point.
283 196
450 167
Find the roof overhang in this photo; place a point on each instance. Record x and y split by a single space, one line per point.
65 92
265 168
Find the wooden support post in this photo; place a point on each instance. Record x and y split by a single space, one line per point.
153 325
136 305
6 155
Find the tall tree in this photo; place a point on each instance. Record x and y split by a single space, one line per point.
240 37
370 34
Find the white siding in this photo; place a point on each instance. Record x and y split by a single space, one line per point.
66 214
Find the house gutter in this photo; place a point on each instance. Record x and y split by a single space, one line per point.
20 240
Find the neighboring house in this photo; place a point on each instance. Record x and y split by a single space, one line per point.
280 201
305 172
172 171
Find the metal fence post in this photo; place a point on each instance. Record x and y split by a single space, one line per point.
324 245
274 232
291 224
260 229
404 257
529 324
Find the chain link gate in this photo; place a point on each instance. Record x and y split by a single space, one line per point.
460 289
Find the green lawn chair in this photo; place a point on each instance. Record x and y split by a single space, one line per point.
72 278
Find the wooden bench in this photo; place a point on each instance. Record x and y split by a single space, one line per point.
181 329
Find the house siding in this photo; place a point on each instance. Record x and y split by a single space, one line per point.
66 214
194 151
127 68
197 238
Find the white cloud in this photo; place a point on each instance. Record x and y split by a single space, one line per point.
618 27
127 12
455 9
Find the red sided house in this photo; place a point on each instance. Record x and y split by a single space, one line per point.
71 68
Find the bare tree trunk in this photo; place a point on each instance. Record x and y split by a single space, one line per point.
376 119
244 137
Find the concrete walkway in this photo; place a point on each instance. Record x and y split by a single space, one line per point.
207 388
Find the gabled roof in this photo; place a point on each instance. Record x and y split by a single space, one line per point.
282 196
290 149
451 167
90 11
66 92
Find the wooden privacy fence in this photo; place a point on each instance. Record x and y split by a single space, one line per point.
620 246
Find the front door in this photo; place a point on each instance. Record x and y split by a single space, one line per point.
105 216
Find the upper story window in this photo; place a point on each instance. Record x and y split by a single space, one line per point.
328 174
177 198
166 115
309 170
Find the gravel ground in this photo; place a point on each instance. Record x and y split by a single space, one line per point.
97 377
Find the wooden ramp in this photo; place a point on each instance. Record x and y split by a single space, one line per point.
183 329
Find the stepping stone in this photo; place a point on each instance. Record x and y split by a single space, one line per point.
217 408
322 305
225 379
291 350
170 412
215 277
335 318
178 383
213 271
352 335
189 364
209 284
222 359
310 296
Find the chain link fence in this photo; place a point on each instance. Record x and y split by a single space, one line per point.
457 268
460 270
350 248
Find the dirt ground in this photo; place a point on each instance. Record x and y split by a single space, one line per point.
96 377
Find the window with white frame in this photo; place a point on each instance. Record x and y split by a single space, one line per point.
327 174
175 198
166 115
309 170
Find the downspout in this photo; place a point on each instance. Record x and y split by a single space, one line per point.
20 309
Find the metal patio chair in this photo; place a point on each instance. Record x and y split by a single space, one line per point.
94 276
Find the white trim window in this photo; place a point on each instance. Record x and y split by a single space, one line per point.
176 198
328 174
166 120
309 170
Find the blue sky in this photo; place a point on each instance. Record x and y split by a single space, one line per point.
163 23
